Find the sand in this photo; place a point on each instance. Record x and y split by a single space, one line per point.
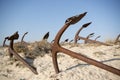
71 68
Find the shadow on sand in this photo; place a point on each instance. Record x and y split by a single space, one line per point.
82 65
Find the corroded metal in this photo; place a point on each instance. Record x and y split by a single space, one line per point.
12 52
57 48
90 35
75 18
76 38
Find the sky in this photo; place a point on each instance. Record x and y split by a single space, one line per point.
37 17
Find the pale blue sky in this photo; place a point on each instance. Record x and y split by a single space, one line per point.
40 16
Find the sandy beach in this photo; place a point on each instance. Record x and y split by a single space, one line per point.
71 68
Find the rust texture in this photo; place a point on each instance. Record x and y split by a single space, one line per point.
117 39
12 52
97 37
90 35
57 48
76 38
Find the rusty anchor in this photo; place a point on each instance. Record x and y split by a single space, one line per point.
66 40
5 41
23 37
97 37
90 35
57 48
94 41
46 36
12 52
76 38
117 39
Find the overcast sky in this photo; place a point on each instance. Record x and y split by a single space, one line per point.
37 17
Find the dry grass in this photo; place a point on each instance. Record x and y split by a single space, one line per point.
71 68
109 41
38 49
32 50
20 48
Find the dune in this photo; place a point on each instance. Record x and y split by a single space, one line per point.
71 68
